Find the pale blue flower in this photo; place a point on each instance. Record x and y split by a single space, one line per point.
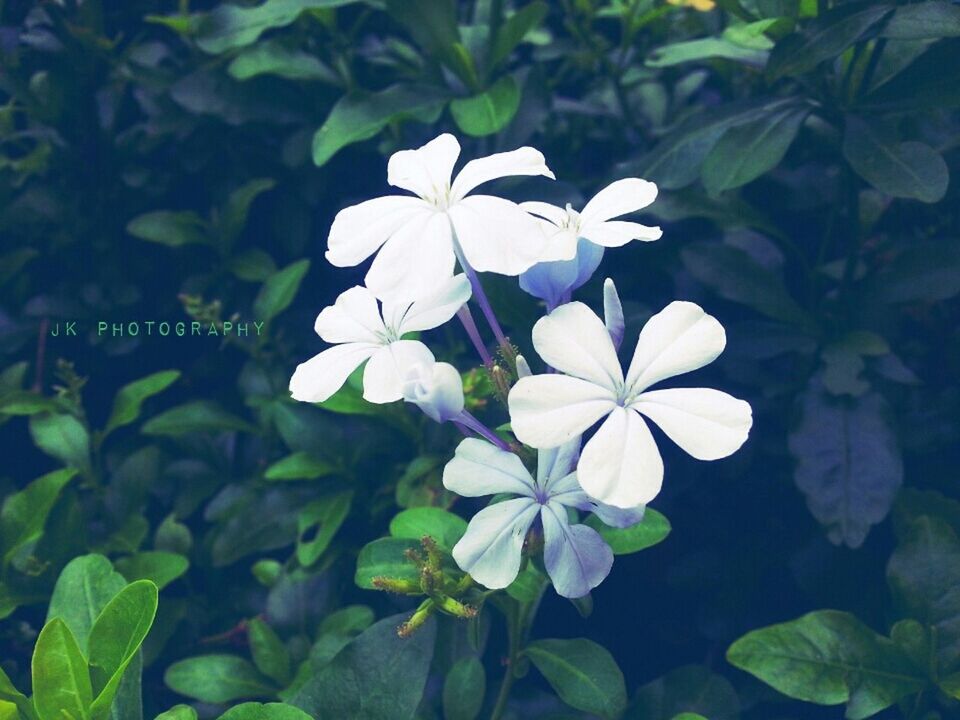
575 556
554 282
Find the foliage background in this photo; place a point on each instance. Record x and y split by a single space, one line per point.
162 161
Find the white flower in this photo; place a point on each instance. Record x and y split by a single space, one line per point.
575 556
436 388
620 464
360 334
419 248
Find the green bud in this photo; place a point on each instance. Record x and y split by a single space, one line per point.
417 620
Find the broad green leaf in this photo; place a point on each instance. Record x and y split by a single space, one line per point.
299 466
269 653
385 558
217 679
197 416
130 398
933 19
951 685
84 588
317 524
703 49
922 85
169 227
653 529
746 152
443 526
528 585
690 689
487 112
348 400
173 536
115 640
514 29
231 26
10 694
264 711
24 402
829 657
158 566
278 291
378 676
361 116
275 58
907 170
583 673
61 684
24 514
178 712
463 689
237 208
252 265
62 437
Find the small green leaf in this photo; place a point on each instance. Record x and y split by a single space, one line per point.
274 58
385 558
487 112
951 685
299 466
930 20
24 514
178 712
168 227
269 653
278 291
237 207
62 437
528 585
61 684
8 693
653 529
583 673
463 690
264 711
703 49
320 519
514 29
130 398
217 679
195 417
161 567
443 526
252 265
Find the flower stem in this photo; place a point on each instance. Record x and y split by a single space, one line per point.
513 640
466 318
470 422
479 295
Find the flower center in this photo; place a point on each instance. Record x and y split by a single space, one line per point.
440 197
572 220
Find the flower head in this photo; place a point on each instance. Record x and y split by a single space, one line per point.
436 388
417 239
576 557
620 464
362 332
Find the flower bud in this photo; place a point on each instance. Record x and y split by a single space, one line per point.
436 389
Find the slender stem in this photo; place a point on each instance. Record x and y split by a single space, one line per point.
470 422
479 295
471 327
513 639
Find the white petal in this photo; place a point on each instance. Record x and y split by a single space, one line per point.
556 215
619 198
496 235
415 262
481 468
556 463
616 233
491 549
436 309
436 389
522 161
354 317
384 376
561 244
575 341
613 313
322 375
678 339
549 410
620 465
567 491
358 231
575 556
708 424
425 171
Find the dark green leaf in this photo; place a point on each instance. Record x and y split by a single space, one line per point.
933 19
269 653
487 112
62 437
512 32
317 523
444 527
195 417
299 466
264 711
130 398
923 271
217 679
252 265
582 673
24 514
274 58
463 690
162 568
278 291
689 689
653 529
237 207
385 558
703 49
168 227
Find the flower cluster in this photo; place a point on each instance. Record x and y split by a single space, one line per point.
419 241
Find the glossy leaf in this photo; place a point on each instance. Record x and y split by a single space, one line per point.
487 112
690 689
386 558
84 588
931 20
61 685
650 531
217 679
583 673
443 526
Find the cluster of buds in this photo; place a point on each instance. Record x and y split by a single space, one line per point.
443 591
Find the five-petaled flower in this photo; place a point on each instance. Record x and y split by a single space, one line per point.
361 334
421 237
575 556
620 464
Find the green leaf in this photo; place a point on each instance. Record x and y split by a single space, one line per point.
237 208
444 527
24 402
24 514
933 19
360 116
62 437
691 689
178 712
320 519
130 398
385 557
528 585
829 657
158 566
463 689
433 24
922 85
269 653
951 685
688 716
378 676
747 151
217 679
299 466
737 277
653 529
274 58
923 271
487 112
907 170
278 291
61 684
115 640
582 673
252 265
348 400
198 416
84 588
512 32
267 711
169 227
754 34
703 49
231 26
8 693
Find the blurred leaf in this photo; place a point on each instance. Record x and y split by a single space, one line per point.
252 265
269 653
690 689
923 271
433 24
62 437
653 529
9 693
488 112
385 557
268 711
514 29
11 263
130 398
169 227
361 116
278 291
178 712
703 49
24 514
829 657
24 402
933 19
237 208
922 85
197 416
274 58
61 685
582 673
951 685
299 466
158 566
444 527
908 170
217 679
754 34
463 690
320 519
